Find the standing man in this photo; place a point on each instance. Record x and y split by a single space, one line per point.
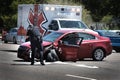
36 42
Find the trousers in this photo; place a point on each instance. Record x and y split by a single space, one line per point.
36 44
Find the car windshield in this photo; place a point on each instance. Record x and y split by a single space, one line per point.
72 24
52 36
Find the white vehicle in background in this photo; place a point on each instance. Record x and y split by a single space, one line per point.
11 36
48 18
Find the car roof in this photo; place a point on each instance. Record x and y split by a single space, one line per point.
79 30
15 28
66 19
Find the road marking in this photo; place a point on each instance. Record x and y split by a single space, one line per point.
72 64
82 65
77 65
86 78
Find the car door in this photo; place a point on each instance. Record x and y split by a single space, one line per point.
85 49
54 25
9 35
87 45
14 34
69 47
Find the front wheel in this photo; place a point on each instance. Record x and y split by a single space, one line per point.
98 55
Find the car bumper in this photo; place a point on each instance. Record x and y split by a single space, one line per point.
23 53
116 44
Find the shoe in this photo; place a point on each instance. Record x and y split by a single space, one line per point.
32 63
42 63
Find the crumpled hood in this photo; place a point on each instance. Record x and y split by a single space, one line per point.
45 43
27 44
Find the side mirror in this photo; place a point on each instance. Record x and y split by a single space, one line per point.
118 33
53 27
60 42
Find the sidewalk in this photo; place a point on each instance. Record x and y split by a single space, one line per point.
8 47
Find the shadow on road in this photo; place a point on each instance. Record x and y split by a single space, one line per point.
9 50
20 61
24 63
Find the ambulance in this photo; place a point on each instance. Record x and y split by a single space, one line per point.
48 17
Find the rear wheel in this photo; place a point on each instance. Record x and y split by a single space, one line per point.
5 40
98 55
14 40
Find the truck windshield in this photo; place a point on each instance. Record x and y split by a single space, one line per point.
52 36
72 24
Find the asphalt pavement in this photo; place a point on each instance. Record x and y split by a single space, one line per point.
13 68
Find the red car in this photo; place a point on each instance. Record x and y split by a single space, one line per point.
69 46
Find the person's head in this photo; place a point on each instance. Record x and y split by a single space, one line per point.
30 27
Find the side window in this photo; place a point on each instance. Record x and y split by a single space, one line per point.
86 36
14 30
70 39
54 25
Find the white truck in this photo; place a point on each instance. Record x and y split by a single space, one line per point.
48 17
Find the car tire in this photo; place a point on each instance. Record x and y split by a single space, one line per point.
14 40
52 56
117 49
98 54
5 40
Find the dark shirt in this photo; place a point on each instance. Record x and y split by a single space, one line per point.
34 33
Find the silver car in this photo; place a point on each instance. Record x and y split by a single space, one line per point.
11 36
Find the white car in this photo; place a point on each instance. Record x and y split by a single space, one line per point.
11 36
